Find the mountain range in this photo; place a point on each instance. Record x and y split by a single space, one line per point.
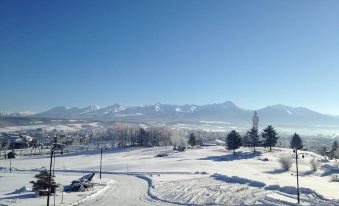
226 112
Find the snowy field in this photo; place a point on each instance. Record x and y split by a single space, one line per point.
201 176
15 189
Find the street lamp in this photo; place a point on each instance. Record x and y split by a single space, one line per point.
296 164
10 156
53 148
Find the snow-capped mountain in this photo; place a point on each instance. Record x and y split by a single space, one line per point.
90 108
227 111
295 115
4 114
16 114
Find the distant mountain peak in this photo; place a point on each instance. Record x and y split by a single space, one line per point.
229 103
90 108
226 111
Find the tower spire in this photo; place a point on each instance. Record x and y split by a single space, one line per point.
255 120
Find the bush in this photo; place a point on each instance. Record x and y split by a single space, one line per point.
265 159
162 154
314 164
285 163
335 178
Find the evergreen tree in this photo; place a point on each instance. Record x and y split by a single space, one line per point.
253 138
233 140
246 140
270 137
200 141
42 180
192 140
335 146
323 151
296 142
143 137
334 149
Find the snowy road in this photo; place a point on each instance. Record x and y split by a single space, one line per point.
126 191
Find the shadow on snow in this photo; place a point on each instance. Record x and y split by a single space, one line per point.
232 157
20 196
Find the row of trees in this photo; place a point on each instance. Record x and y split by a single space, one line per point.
251 139
123 135
269 139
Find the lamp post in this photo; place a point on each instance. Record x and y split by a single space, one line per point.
50 169
10 156
296 164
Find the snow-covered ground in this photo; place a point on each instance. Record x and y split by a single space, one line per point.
15 189
208 175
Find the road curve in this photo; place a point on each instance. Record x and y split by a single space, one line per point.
126 191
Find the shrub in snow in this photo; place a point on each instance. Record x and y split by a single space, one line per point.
181 149
162 154
285 163
203 172
335 178
314 164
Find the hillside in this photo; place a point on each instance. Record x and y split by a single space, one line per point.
208 175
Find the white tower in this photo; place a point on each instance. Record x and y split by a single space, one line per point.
255 120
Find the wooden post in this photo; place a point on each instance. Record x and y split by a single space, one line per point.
100 161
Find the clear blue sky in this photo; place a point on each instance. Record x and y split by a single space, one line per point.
254 53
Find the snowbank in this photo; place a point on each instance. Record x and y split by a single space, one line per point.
108 183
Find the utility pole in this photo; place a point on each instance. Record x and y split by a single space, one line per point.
50 169
49 176
100 161
296 165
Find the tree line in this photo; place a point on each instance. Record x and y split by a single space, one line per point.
251 139
269 139
123 135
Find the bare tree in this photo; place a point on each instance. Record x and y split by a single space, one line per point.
314 163
285 163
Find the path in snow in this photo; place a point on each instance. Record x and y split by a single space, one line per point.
126 191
